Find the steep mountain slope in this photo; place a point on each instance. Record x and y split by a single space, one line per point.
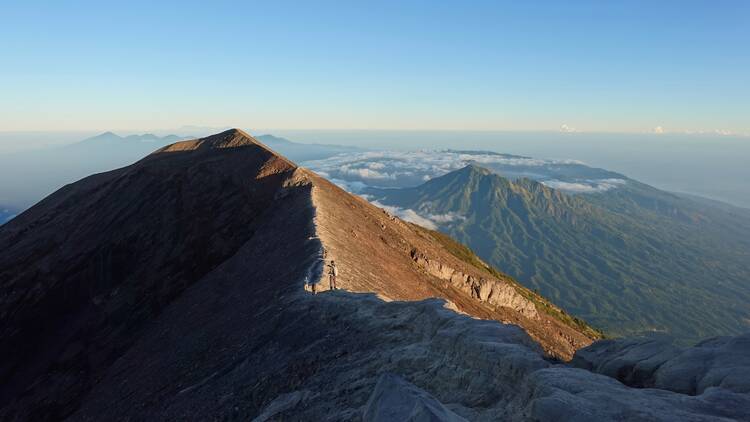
625 261
181 268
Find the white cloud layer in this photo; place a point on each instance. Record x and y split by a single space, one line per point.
393 169
567 129
381 168
587 186
407 214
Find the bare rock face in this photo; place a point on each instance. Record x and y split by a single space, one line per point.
719 362
631 361
492 291
568 394
394 399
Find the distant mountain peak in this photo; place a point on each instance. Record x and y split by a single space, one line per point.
475 168
229 139
470 176
274 139
104 136
110 136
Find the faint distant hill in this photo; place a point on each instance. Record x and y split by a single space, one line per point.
6 213
299 152
28 176
110 137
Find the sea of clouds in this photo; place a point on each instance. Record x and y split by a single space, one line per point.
410 168
356 171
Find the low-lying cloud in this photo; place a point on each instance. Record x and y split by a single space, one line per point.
408 214
587 186
401 169
357 171
450 217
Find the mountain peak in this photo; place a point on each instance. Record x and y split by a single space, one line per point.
104 136
232 138
473 168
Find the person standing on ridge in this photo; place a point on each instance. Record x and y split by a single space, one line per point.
332 273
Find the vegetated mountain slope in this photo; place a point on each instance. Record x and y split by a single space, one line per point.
142 284
626 260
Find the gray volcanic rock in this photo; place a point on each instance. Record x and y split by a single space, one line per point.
632 361
397 400
642 362
719 362
569 394
321 358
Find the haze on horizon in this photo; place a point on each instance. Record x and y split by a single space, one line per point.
656 90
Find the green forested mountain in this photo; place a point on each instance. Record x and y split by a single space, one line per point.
628 260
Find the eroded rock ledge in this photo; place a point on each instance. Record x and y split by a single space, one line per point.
494 292
655 363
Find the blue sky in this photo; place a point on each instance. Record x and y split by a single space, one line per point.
624 66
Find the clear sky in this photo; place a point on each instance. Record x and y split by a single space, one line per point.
617 66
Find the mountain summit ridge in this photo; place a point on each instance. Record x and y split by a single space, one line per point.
231 138
104 258
180 287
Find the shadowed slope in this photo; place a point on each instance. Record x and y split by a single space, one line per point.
82 271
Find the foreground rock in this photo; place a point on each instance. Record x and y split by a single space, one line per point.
719 362
397 400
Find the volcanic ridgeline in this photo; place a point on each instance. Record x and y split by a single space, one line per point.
173 289
90 269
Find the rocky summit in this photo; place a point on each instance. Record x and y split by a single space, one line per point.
193 285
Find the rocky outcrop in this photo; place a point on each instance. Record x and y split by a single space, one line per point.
494 292
632 361
321 358
645 362
394 399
